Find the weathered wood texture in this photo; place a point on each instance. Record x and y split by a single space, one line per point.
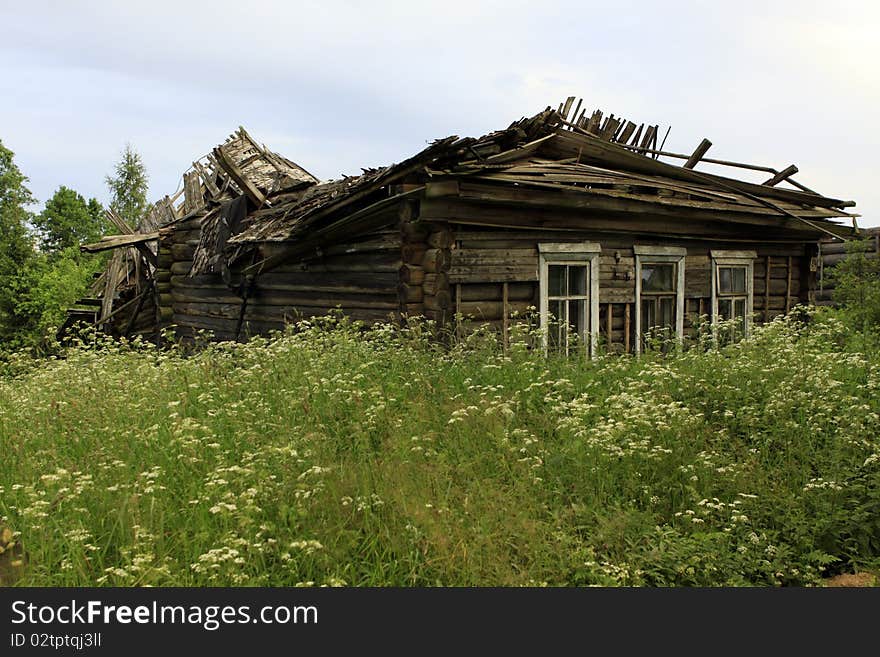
360 277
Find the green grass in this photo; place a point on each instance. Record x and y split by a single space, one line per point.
344 455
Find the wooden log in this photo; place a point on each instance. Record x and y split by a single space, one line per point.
626 328
410 293
491 309
439 301
779 287
441 239
411 274
492 273
435 283
494 291
831 259
436 260
833 247
414 233
521 257
407 211
413 253
285 298
365 262
181 267
162 275
182 252
414 309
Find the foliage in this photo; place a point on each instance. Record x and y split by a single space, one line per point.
341 454
857 287
17 253
128 187
68 221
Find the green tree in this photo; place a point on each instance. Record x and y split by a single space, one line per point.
128 187
857 287
69 221
19 264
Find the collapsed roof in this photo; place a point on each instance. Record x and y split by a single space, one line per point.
247 194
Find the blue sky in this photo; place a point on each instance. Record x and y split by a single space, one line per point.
337 86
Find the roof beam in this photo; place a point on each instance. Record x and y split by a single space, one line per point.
698 154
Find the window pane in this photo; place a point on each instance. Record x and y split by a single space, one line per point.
577 280
648 315
739 280
667 312
732 280
658 277
739 307
556 284
724 279
556 325
577 320
724 309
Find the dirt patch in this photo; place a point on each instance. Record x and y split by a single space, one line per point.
852 579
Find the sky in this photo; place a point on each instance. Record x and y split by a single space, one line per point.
337 86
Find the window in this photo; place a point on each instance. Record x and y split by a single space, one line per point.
569 288
732 291
659 292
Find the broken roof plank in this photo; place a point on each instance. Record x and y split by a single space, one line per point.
115 241
698 154
229 166
207 179
790 170
616 155
118 221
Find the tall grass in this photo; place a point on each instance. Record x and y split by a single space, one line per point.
339 454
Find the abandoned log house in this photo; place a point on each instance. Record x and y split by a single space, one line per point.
568 213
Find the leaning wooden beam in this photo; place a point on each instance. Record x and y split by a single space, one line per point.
118 221
240 179
698 154
207 178
116 241
782 175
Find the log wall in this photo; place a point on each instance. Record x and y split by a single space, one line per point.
360 277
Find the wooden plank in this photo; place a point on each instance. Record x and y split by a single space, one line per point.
115 241
207 178
767 265
228 165
790 170
626 327
698 154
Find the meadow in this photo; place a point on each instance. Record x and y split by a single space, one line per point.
338 454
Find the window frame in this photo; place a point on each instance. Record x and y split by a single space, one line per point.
648 255
578 254
726 258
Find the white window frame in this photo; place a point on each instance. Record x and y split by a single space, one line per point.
571 253
649 255
724 258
